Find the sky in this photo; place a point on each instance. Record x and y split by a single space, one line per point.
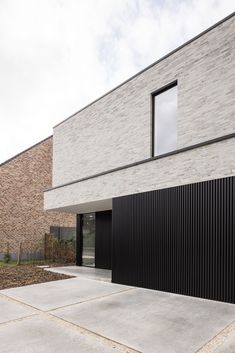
56 56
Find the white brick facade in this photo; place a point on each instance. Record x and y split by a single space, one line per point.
116 130
205 163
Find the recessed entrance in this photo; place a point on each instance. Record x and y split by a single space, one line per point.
94 233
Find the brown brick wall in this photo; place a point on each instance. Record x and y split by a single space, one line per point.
22 182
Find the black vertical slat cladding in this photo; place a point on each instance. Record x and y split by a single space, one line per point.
179 239
103 237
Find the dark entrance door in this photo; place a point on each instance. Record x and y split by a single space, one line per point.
103 240
94 234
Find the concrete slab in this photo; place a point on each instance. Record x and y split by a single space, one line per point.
83 272
51 295
10 310
228 346
152 321
40 334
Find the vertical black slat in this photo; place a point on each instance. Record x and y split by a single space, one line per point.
178 243
153 262
216 236
224 242
206 247
192 241
187 274
192 233
184 254
221 255
196 246
103 236
206 235
190 245
228 243
210 236
218 233
79 240
178 239
230 236
168 275
213 234
233 240
170 235
202 240
135 229
113 247
228 240
181 256
160 234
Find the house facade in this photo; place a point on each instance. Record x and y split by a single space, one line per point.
23 220
149 170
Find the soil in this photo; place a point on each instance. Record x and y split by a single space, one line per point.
22 275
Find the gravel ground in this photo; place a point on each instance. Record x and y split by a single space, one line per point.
22 275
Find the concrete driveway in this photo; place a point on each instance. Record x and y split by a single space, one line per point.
86 315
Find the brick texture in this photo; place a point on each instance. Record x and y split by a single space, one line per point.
22 182
116 130
205 163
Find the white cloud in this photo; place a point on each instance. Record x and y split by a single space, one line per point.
57 56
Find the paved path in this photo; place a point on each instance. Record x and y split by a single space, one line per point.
86 316
83 272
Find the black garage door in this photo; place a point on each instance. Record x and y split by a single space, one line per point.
179 240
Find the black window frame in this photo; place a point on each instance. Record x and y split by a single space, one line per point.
153 95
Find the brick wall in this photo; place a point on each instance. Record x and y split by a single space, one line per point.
22 182
205 163
116 130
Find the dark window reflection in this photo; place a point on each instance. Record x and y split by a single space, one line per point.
88 232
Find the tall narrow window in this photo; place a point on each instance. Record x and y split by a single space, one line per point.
165 121
88 234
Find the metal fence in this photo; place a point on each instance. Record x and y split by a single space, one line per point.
59 247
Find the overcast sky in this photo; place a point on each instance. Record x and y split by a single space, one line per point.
58 55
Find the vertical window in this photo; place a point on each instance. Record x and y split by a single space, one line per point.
88 234
165 121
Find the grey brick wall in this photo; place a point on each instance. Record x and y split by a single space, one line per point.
116 130
205 163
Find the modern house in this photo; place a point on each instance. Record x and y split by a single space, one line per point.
149 169
23 220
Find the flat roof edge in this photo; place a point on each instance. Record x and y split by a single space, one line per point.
151 65
27 149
